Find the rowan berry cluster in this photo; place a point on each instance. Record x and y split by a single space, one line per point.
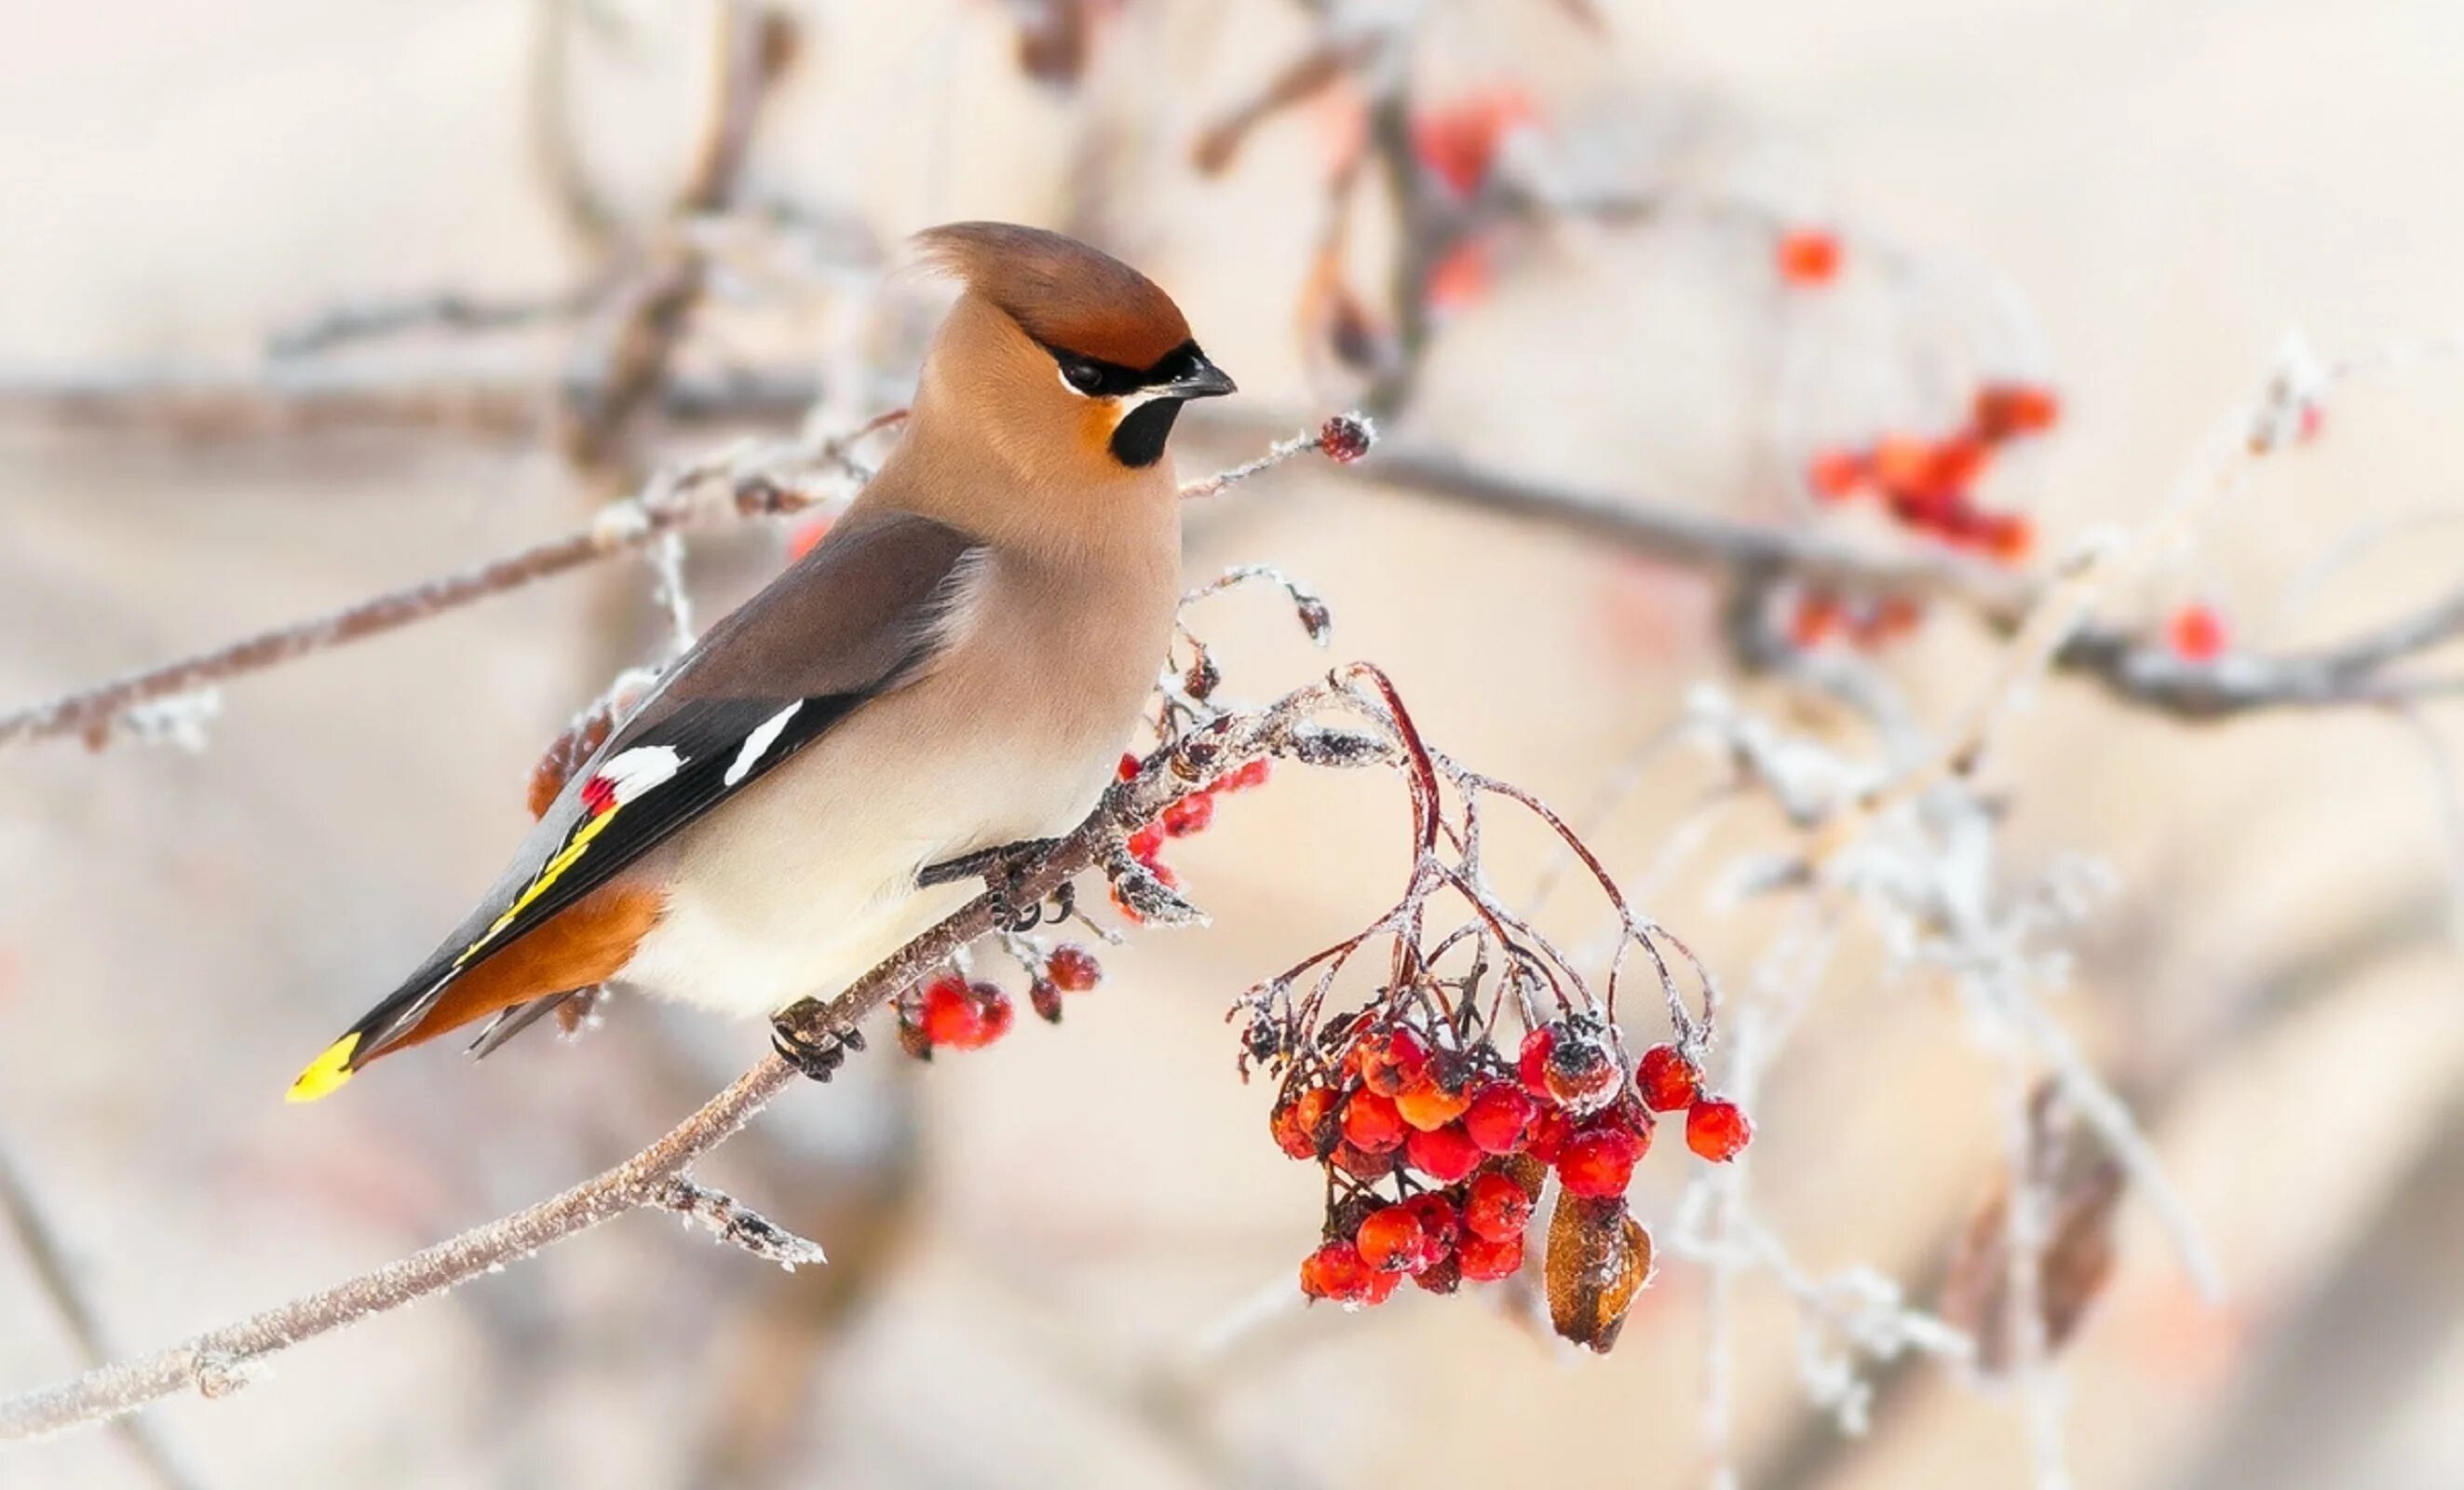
1927 486
1186 818
950 1013
1436 1148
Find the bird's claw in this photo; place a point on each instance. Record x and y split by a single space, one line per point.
1001 869
817 1058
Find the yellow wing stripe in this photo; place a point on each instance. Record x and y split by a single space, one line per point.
565 859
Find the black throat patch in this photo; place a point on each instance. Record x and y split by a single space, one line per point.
1138 440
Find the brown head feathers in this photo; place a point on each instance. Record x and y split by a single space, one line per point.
1068 296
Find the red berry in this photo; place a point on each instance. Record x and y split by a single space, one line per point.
2010 537
1549 1132
1835 476
950 1017
1817 615
1717 1129
1372 1122
1458 141
1598 1162
1380 1288
1496 1208
994 1013
1145 844
1499 1118
2003 409
1335 1271
1128 769
1809 256
1666 1080
1444 1154
1425 1105
1189 814
1486 1260
1074 969
1440 1227
1046 996
2197 633
1300 1123
1955 464
1901 462
1531 1065
1256 772
805 534
1391 1240
1391 1060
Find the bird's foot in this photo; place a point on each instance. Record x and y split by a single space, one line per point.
1001 869
818 1059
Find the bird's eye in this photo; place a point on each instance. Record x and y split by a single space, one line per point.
1084 377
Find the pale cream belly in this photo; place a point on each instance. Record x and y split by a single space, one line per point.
808 879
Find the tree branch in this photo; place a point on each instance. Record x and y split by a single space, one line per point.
215 1363
2353 672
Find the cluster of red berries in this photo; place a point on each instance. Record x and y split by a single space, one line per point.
1927 486
1465 1142
949 1012
1186 818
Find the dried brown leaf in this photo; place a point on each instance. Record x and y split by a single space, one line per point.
1600 1259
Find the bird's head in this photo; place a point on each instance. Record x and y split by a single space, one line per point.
1071 363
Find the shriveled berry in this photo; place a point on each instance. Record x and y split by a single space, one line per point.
1809 256
1499 1118
1718 1129
1486 1260
1361 1164
1073 968
1582 1074
1444 1276
1496 1208
1371 1123
1444 1154
1532 1064
1189 814
1301 1123
912 1037
1046 996
1666 1080
1392 1060
1425 1105
1335 1271
1391 1240
2007 409
1440 1225
1598 1162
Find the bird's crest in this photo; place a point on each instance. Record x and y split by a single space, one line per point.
1063 294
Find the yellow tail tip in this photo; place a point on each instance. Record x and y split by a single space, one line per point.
326 1072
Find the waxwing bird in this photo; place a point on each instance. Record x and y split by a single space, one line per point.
953 671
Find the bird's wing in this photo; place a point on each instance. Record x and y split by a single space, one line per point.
859 616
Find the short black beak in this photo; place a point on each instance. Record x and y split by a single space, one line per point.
1203 381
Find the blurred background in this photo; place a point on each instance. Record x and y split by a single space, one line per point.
1700 259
